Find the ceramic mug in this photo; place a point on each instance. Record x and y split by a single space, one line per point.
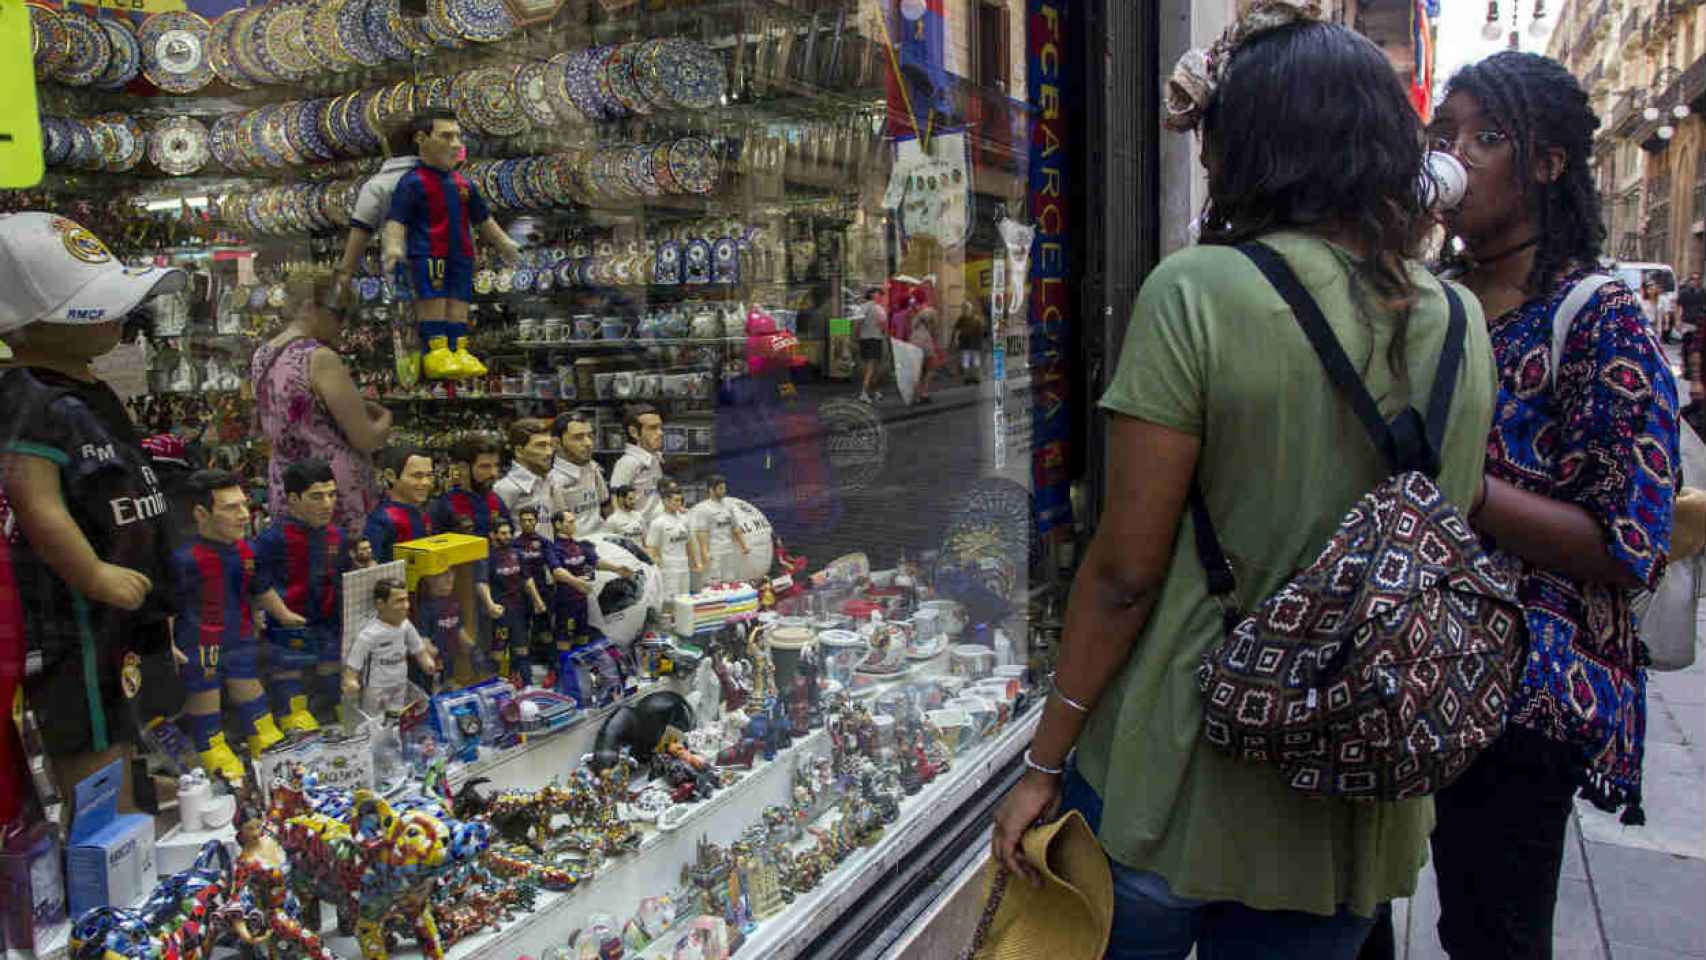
972 661
842 652
554 331
622 386
614 329
585 327
527 330
954 723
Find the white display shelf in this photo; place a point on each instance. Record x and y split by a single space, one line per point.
790 932
653 869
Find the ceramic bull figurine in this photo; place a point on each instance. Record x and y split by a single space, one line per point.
378 865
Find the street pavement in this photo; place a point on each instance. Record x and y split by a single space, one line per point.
1626 893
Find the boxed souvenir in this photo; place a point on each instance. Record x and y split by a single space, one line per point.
110 859
32 889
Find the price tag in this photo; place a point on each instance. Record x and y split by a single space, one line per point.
21 163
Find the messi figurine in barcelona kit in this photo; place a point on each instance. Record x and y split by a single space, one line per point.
433 209
302 552
216 581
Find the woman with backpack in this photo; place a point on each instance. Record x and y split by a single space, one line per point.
1582 467
1221 388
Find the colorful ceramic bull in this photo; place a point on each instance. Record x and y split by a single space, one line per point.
378 864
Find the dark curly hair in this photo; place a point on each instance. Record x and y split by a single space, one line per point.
1540 105
1309 127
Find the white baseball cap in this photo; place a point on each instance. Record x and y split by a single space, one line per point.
53 270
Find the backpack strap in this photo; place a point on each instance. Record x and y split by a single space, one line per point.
1407 442
1564 318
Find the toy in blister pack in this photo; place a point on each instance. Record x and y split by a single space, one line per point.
536 711
494 695
459 722
593 674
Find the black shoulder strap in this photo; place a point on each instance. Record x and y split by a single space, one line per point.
1333 359
1407 442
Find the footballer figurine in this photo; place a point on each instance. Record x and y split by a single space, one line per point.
406 473
508 595
301 553
574 565
217 582
432 210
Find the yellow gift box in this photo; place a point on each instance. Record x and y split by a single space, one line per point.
432 555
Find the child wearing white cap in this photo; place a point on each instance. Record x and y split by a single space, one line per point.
85 518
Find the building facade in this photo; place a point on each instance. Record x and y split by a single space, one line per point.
1643 63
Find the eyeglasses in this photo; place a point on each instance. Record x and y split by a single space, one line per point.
1480 149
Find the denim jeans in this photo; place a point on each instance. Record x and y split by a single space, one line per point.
1152 923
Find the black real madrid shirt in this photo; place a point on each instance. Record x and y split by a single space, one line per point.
110 491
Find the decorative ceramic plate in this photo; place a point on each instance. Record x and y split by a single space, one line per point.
506 184
691 74
479 21
88 50
84 154
541 177
438 94
270 145
493 102
48 39
310 127
522 281
174 51
320 34
222 142
660 168
354 37
566 274
130 143
220 55
384 25
55 141
412 35
646 74
363 123
237 47
557 87
263 45
581 80
178 146
533 89
126 62
619 71
438 26
287 40
602 85
693 165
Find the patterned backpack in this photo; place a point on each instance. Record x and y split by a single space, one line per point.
1381 670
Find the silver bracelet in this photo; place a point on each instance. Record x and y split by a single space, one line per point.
1051 771
1063 698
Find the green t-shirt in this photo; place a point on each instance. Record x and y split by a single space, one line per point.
1214 351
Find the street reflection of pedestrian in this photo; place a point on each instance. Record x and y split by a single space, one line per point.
1581 474
923 336
1218 387
873 330
1691 304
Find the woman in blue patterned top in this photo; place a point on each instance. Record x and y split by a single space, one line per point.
1582 466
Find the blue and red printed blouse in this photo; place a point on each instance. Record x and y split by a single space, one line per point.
1605 438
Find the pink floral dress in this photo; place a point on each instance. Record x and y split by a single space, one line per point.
298 425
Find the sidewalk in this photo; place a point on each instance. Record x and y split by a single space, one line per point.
1626 893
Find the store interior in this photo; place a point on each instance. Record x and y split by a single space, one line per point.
698 204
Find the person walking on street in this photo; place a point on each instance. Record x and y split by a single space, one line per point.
873 330
1582 469
923 336
970 338
1691 304
1219 387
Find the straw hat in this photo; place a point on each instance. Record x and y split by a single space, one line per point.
1069 916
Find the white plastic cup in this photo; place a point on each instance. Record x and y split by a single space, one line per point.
1442 182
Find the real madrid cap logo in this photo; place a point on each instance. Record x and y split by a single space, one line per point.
80 243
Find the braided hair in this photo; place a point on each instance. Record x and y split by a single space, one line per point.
1540 105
